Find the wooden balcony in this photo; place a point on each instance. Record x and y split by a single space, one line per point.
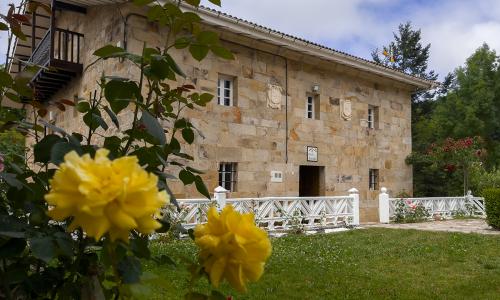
58 53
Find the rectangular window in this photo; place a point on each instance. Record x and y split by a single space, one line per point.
310 107
225 90
372 117
373 179
227 176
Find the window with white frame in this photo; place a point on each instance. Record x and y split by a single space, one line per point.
373 179
372 117
310 107
225 90
227 176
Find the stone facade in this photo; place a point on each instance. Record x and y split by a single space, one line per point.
261 139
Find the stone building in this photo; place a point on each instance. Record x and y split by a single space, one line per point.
292 118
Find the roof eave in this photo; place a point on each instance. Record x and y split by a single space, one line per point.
260 33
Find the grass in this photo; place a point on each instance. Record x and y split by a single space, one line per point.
371 263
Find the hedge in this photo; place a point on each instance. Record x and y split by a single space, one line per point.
492 205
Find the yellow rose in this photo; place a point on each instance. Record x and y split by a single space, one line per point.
232 247
105 196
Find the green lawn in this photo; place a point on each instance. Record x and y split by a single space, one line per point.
361 264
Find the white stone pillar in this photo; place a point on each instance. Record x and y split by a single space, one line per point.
220 195
354 193
383 205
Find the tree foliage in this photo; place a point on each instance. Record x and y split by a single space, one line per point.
406 53
469 105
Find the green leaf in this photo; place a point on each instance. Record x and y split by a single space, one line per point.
64 244
5 79
42 149
160 68
205 98
174 66
207 38
216 2
139 246
11 180
83 106
222 52
12 248
153 127
199 52
11 226
188 135
59 150
201 187
112 116
91 121
43 248
182 42
193 2
108 50
156 13
120 93
112 143
129 269
3 26
174 146
186 177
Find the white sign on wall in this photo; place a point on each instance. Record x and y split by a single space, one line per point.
312 153
276 176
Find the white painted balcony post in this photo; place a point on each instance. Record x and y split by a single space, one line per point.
354 193
220 195
383 205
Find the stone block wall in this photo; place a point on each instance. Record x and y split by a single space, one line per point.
254 135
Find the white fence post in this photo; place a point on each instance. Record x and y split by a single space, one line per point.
220 195
354 193
383 205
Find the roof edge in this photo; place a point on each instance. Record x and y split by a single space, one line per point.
217 18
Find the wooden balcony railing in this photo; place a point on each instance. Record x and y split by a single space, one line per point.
58 53
59 48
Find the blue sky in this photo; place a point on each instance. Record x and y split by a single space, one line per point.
455 28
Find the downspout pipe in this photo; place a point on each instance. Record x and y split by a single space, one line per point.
125 27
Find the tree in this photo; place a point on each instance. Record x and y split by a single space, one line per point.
472 106
406 53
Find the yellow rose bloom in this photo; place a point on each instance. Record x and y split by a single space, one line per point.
104 195
232 247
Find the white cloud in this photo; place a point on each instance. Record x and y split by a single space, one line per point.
455 28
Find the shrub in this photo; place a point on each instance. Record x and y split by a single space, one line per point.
408 212
492 205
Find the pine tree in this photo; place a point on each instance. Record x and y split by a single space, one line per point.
406 53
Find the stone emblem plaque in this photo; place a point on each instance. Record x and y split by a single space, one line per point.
345 109
274 96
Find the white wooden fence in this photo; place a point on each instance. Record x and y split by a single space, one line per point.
275 213
444 207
